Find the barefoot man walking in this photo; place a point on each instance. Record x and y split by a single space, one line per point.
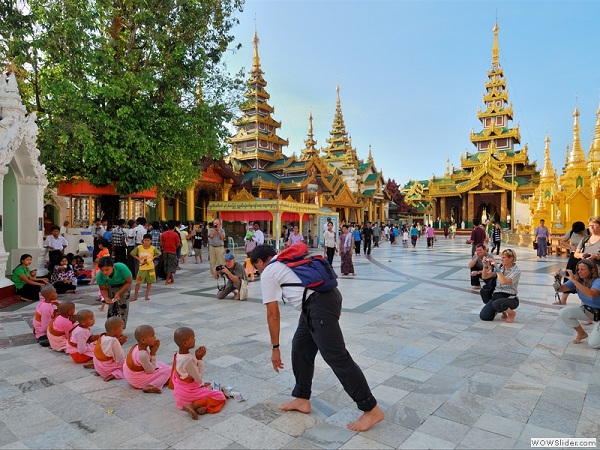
318 330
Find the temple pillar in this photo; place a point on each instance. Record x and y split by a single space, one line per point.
226 190
503 206
347 214
162 215
129 207
191 204
277 229
176 208
91 210
302 197
470 208
300 217
464 208
370 209
382 212
443 210
596 206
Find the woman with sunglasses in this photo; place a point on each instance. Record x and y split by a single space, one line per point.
504 298
587 285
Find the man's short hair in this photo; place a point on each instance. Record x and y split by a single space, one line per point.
262 252
476 222
55 227
480 246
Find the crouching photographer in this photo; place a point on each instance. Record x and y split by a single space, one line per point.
232 273
500 291
587 285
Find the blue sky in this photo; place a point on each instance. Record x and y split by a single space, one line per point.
412 73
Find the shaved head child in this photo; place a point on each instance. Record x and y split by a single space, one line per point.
60 327
191 394
109 355
141 369
45 311
80 344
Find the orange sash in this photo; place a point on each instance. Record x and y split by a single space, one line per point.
37 316
52 331
187 379
99 353
129 360
69 340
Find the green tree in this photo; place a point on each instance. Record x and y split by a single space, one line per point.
130 91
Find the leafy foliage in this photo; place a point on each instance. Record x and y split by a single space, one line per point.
126 91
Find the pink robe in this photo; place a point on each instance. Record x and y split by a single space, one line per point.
109 357
187 390
44 313
77 342
58 333
137 376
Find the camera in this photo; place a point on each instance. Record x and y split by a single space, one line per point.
219 267
563 273
586 255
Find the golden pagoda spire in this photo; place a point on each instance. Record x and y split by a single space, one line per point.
547 173
370 158
255 58
576 157
495 47
310 150
594 156
447 174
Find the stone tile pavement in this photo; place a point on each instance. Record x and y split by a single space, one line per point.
444 378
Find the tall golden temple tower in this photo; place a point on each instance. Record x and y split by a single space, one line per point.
256 142
498 112
339 152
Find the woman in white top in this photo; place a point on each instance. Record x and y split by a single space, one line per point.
504 298
330 244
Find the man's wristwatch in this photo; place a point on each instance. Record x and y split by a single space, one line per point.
275 346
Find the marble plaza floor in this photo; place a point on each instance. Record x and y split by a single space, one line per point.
444 378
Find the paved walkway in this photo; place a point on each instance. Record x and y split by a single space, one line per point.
444 378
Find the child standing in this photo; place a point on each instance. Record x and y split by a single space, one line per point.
103 251
80 344
61 326
405 237
190 393
141 369
109 355
249 267
45 311
145 254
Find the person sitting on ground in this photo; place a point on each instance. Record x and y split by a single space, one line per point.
190 393
60 327
476 265
141 369
62 277
504 296
82 249
81 341
27 286
83 275
109 355
45 311
234 273
587 284
570 241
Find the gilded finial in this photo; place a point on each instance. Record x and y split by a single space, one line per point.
12 68
495 47
256 58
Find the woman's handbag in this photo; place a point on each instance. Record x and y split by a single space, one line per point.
591 313
535 245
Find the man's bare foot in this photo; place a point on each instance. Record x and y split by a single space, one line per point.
191 411
133 299
367 420
147 298
110 377
300 404
201 410
580 337
151 390
587 322
510 316
504 315
89 365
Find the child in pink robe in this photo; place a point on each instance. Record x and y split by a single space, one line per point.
80 344
141 369
61 326
45 311
190 393
109 355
